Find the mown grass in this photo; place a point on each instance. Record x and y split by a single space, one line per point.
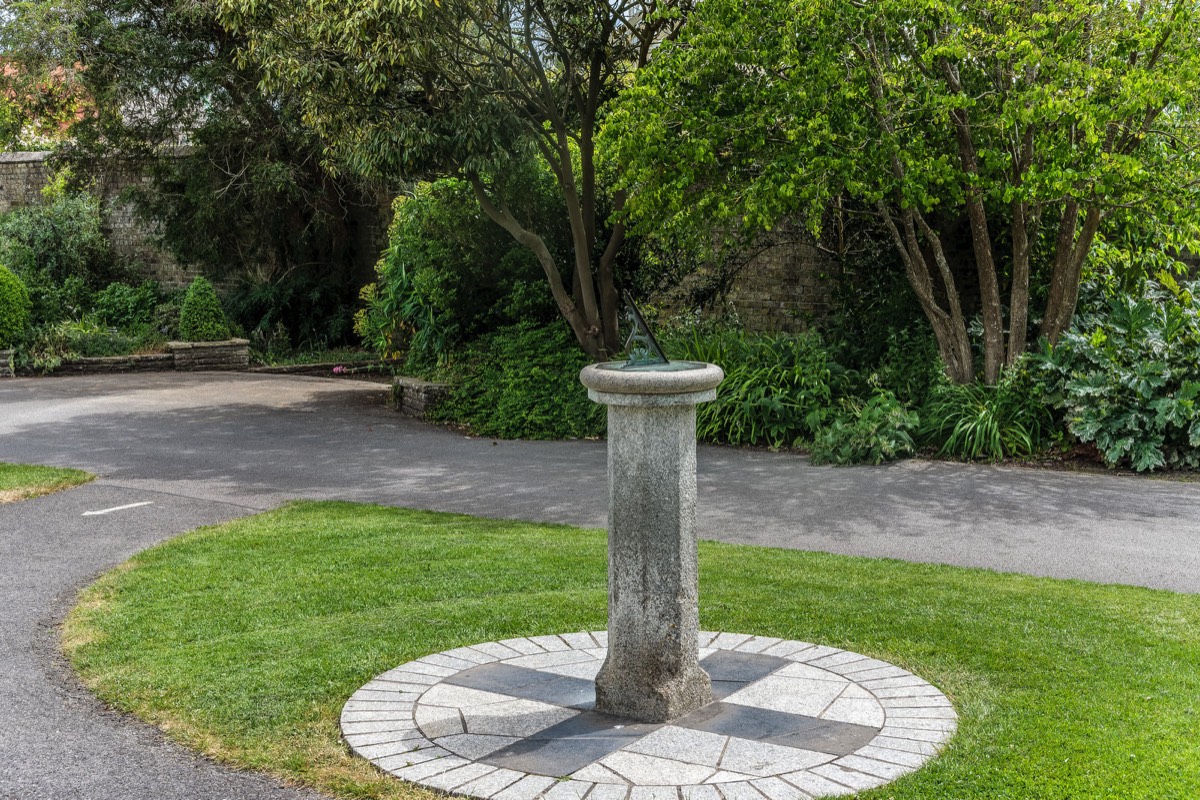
23 481
244 640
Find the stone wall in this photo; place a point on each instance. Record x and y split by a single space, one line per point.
22 177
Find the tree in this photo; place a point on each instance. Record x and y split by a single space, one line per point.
418 89
1033 121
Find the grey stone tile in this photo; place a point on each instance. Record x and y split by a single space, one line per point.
579 641
896 731
654 793
741 790
380 726
763 759
818 786
787 648
705 638
682 744
758 644
898 692
529 684
549 643
528 788
523 645
724 776
364 739
516 717
371 752
471 654
568 790
702 792
776 727
496 649
412 758
427 769
727 665
601 637
474 745
728 641
570 745
399 714
429 669
881 769
600 775
813 653
405 675
921 713
893 756
849 777
443 660
610 791
905 745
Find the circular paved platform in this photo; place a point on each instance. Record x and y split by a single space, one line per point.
513 720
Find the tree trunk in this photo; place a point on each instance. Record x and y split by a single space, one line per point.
1069 254
1018 305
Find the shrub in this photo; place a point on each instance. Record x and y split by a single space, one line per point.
201 319
976 421
14 308
59 250
778 389
871 432
522 382
127 307
1128 377
49 345
302 310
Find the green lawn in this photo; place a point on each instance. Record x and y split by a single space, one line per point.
22 481
244 640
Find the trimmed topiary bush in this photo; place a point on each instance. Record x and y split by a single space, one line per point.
202 319
14 308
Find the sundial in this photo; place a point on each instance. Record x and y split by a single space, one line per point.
641 346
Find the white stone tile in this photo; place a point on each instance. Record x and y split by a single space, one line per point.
550 644
849 777
394 726
837 659
451 696
580 669
528 788
790 695
896 692
775 789
581 640
436 722
644 770
728 641
890 683
491 783
405 699
705 638
405 675
601 638
364 739
945 726
817 786
568 790
705 652
429 669
758 644
495 649
427 769
892 756
454 778
863 665
786 648
374 751
412 758
860 712
609 791
451 662
742 790
856 692
701 792
474 745
881 769
682 744
921 713
813 653
811 673
408 689
376 695
389 686
598 774
724 776
914 734
371 716
915 702
523 645
471 654
879 670
762 759
514 718
654 793
905 745
597 652
556 659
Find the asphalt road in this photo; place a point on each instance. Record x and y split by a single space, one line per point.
195 449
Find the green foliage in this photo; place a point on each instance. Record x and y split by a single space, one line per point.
14 308
123 306
59 250
50 344
1128 377
450 274
201 319
866 432
299 310
778 389
976 421
522 382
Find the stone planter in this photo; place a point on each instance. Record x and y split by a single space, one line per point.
414 398
232 354
6 367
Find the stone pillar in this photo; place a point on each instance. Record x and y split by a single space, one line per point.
652 672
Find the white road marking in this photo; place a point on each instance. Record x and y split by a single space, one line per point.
116 508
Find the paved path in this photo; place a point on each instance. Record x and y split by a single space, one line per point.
205 448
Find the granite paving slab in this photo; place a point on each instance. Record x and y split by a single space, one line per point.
789 721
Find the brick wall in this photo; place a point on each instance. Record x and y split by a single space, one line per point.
784 286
